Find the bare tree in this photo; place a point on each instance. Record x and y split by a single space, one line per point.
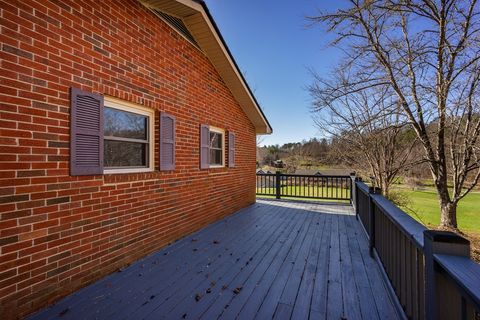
367 130
428 52
298 155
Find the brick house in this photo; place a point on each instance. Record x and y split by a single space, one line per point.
124 125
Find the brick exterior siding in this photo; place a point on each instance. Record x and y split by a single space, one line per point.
58 232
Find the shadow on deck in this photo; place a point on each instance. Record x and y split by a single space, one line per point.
274 259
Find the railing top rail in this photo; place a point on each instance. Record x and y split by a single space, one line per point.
464 272
314 175
409 226
304 175
362 186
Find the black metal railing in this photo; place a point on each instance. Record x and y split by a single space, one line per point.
281 185
430 272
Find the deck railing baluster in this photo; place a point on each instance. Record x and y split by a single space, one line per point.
304 186
336 187
303 189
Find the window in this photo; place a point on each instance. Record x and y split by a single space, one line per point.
217 147
128 137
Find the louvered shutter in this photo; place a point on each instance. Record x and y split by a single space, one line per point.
204 146
167 142
231 149
86 133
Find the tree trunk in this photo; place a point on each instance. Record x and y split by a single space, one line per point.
448 214
385 188
448 208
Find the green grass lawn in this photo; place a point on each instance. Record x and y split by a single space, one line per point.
424 204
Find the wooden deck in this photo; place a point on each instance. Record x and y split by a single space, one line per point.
274 259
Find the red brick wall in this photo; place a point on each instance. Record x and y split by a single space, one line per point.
57 232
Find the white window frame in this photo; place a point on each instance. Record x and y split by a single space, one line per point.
137 109
222 132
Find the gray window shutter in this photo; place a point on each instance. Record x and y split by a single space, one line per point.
231 149
167 142
204 146
86 133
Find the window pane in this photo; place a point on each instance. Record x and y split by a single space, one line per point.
125 124
216 140
215 157
124 154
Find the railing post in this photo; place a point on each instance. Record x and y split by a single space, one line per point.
357 206
353 192
371 213
277 184
439 242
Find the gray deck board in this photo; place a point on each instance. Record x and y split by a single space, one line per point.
187 265
282 247
351 302
218 299
364 288
288 260
383 303
318 307
303 296
272 298
255 299
334 288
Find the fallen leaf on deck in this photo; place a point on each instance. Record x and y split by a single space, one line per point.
64 311
237 290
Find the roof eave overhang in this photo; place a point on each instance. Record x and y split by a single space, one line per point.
196 17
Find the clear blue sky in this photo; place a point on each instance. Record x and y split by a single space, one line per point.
274 48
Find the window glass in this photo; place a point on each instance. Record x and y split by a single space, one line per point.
215 157
124 154
215 140
216 148
127 140
119 123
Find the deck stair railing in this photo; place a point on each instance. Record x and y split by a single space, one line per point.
315 186
430 272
